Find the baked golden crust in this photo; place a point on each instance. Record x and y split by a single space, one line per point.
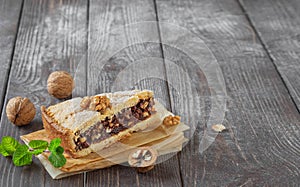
66 135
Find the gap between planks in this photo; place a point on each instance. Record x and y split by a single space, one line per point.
267 51
10 64
165 70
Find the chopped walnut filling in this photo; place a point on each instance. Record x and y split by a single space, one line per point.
125 119
80 143
143 109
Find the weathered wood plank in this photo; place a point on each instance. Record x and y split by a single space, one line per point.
122 54
52 36
9 21
278 25
261 145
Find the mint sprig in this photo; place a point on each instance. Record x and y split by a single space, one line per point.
22 154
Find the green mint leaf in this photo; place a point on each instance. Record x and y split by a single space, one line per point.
57 160
22 156
59 150
54 144
9 144
38 144
3 151
37 151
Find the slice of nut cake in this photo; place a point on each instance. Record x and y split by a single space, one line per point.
91 123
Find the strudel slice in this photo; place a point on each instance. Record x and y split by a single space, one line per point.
89 124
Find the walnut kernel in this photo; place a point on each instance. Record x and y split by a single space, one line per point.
143 159
171 120
218 127
96 103
101 103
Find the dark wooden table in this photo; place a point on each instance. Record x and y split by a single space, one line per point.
256 44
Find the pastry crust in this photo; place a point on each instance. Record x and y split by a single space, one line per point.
71 124
66 135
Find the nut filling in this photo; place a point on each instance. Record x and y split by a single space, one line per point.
108 127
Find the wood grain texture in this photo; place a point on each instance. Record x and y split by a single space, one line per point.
261 145
278 25
9 21
120 54
52 36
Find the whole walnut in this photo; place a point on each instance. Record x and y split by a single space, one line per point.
20 111
60 84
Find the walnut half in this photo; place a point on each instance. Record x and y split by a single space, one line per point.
143 159
171 120
96 103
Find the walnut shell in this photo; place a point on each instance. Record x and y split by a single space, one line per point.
20 111
60 84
